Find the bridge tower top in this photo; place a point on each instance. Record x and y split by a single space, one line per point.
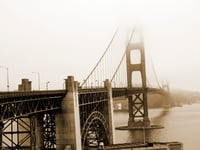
132 67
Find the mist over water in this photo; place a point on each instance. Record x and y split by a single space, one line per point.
180 124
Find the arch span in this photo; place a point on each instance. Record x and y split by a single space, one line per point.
95 129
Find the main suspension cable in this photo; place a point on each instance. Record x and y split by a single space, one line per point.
100 58
123 55
156 77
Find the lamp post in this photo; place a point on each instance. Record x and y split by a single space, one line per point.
38 79
47 85
91 84
7 76
97 83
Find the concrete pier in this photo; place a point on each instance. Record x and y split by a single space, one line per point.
36 132
107 85
68 135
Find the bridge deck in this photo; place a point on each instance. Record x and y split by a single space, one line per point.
123 90
146 146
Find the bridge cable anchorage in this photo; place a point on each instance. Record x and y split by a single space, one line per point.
123 56
85 81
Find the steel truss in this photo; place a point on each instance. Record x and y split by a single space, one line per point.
138 115
21 133
17 134
94 115
137 105
89 102
49 131
27 106
95 123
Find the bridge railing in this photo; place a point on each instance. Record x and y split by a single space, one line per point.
14 96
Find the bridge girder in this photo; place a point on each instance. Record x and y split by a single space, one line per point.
16 107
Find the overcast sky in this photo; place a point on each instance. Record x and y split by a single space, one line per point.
67 37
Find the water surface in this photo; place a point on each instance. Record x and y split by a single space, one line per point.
180 124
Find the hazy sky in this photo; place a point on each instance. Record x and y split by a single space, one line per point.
67 37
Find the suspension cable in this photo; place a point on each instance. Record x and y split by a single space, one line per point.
133 31
100 58
156 77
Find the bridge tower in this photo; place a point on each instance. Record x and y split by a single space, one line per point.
166 88
138 109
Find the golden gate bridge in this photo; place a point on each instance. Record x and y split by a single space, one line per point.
58 119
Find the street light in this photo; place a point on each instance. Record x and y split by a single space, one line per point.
91 84
38 79
97 83
47 85
7 76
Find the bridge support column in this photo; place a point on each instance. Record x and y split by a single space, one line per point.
138 110
68 135
146 114
36 132
130 109
110 112
1 135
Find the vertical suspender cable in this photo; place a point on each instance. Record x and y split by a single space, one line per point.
100 58
155 73
123 56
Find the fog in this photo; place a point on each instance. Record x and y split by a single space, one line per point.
61 38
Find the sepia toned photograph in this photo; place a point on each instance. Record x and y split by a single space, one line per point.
99 74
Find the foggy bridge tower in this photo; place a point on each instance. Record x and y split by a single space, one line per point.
165 87
138 109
